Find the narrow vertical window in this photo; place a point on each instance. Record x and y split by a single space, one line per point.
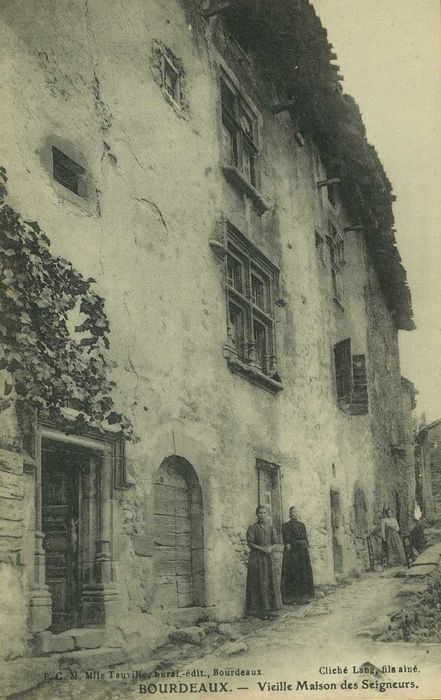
336 252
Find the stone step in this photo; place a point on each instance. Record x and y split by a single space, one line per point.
85 659
69 640
421 570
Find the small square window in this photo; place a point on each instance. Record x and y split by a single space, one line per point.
66 171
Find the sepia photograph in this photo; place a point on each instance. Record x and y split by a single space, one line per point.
220 333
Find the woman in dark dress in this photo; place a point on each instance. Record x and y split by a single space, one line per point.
263 594
297 580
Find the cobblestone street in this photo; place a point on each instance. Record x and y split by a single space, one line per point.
318 643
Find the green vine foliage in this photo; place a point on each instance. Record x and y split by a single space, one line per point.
49 365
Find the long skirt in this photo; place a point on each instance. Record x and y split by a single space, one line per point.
394 548
263 594
297 580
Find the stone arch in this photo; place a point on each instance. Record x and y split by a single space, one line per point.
179 536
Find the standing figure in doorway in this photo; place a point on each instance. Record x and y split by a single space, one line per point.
390 532
297 579
263 594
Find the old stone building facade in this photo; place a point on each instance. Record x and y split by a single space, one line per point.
203 164
428 469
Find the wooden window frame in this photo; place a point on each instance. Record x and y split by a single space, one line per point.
253 264
233 116
273 470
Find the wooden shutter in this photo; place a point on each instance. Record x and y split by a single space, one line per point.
343 370
359 403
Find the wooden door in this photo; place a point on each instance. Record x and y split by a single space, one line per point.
173 546
60 509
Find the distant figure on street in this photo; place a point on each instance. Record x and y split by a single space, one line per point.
263 593
418 538
297 579
390 532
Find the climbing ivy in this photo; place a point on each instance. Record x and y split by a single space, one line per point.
50 362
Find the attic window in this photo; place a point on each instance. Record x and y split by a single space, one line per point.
66 171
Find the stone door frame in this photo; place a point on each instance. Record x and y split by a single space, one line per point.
98 590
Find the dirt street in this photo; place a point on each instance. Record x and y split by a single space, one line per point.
305 650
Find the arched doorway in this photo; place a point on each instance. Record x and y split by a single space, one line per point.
179 536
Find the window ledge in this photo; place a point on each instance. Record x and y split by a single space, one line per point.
235 177
353 408
254 375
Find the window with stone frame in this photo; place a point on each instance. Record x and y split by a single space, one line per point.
251 282
269 492
240 132
168 72
337 255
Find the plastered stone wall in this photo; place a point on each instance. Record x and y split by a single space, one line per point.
14 517
81 74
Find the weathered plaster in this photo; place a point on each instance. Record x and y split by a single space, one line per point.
161 193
